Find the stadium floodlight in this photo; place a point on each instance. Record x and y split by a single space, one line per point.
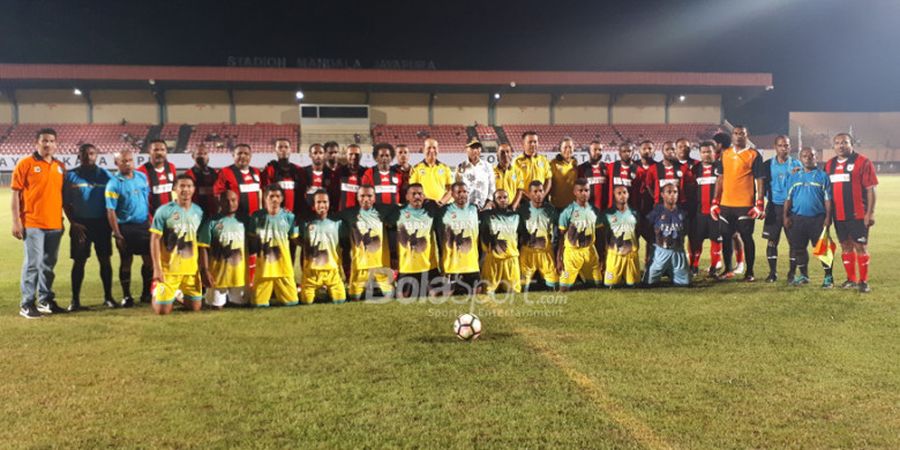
496 96
298 95
76 91
682 98
512 84
151 81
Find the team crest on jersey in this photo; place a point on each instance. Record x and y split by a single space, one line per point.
220 226
176 216
170 177
37 169
440 171
395 180
59 169
407 215
575 214
453 216
255 178
678 173
311 228
850 167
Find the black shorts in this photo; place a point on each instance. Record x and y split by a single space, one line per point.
704 227
418 284
98 233
773 223
805 231
852 230
735 220
137 238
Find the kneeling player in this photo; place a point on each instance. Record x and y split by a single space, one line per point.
457 231
622 247
320 240
499 238
668 227
579 255
370 259
222 255
276 231
807 211
173 249
537 234
416 247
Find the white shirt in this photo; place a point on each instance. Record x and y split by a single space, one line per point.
479 179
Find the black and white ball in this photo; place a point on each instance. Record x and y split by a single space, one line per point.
467 327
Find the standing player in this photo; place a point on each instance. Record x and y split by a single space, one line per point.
316 176
129 218
320 238
740 190
457 231
37 208
564 169
507 176
241 179
597 174
537 238
683 151
403 168
807 211
853 182
332 155
646 202
703 226
778 174
160 174
364 232
579 224
669 228
223 253
275 230
723 141
434 176
83 201
387 180
284 173
669 171
477 175
348 178
500 242
204 179
622 245
416 246
533 165
625 172
173 248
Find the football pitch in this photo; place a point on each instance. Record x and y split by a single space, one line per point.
726 365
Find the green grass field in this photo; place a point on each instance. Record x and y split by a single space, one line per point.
719 366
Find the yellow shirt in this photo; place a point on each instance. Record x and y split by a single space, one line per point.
562 192
532 168
509 180
434 179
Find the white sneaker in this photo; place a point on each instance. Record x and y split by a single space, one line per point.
740 269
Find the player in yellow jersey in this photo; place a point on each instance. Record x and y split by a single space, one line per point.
622 243
500 242
363 231
532 165
223 255
320 240
538 236
578 255
275 230
173 250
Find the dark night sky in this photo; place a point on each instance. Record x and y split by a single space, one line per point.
826 55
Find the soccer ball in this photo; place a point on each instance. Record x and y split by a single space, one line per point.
467 327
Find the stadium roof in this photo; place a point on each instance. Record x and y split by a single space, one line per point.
45 75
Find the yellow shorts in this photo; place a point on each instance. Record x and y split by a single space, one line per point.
191 290
584 262
537 261
329 279
284 288
360 279
501 273
621 268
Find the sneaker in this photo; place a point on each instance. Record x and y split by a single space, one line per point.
725 276
75 306
145 298
695 271
849 285
110 303
127 302
864 287
720 265
749 278
49 307
740 268
711 272
799 280
828 283
771 278
30 312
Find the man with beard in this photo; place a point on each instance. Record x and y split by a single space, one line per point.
683 151
500 243
507 176
595 172
284 173
85 206
160 174
275 231
348 178
332 155
204 179
173 249
386 179
365 237
316 176
457 231
320 238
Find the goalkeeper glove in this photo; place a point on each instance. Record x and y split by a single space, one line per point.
714 210
758 211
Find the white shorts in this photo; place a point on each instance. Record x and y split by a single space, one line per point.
218 297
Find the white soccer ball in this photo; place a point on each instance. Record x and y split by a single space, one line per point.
467 327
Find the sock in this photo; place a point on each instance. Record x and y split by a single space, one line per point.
147 278
106 278
739 255
715 253
125 279
793 267
695 258
849 260
863 261
77 278
772 257
827 269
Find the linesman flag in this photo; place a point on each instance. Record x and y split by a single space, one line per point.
824 248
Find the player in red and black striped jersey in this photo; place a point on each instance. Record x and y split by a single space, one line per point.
646 201
403 167
625 172
204 178
314 177
704 226
594 170
286 174
348 178
387 179
683 150
853 182
241 179
669 171
160 175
